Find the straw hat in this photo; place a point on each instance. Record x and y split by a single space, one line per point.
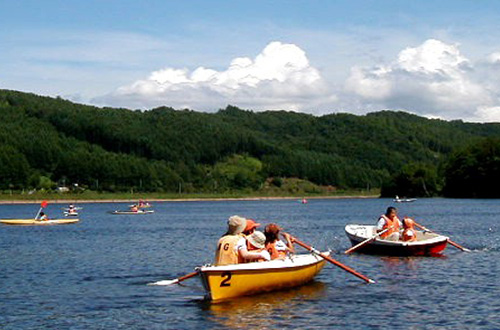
257 239
236 225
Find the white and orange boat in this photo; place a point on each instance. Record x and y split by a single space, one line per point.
427 244
225 282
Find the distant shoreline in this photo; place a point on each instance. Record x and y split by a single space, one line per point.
208 199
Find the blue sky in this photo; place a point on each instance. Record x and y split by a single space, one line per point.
437 59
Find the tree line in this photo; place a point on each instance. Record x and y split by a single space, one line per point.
46 142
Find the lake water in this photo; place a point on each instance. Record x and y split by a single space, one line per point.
94 275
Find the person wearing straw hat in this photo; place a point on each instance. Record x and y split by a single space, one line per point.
256 243
226 254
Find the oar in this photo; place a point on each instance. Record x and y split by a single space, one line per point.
175 281
43 205
366 241
333 261
458 246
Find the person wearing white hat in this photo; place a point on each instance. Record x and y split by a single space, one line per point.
256 242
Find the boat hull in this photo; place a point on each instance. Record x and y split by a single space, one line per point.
132 213
428 244
33 222
225 282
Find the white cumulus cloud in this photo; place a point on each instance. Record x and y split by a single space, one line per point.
280 77
433 79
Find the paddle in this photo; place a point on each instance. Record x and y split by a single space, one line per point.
43 205
458 246
175 281
366 241
333 261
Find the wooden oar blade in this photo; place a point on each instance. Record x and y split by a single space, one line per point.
175 281
165 282
458 246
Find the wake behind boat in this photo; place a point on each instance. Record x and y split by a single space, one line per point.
70 214
36 222
427 243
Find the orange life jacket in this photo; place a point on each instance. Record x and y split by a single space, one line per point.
275 254
394 223
409 238
409 230
225 253
250 248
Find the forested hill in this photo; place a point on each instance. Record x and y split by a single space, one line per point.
44 141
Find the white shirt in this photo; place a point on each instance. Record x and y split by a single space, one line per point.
242 244
381 223
280 245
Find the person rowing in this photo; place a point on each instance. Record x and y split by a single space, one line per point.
276 247
389 221
71 208
43 217
409 234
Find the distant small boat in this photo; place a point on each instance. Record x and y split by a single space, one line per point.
75 208
403 200
133 213
70 214
35 222
427 243
304 201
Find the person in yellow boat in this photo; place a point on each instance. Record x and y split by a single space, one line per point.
276 247
251 248
231 247
250 227
256 243
43 217
389 220
409 234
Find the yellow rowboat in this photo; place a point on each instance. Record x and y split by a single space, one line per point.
33 222
224 282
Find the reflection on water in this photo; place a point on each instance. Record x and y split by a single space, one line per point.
268 310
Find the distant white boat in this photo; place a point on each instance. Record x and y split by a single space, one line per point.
403 200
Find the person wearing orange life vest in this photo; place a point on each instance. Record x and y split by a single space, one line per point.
409 234
256 243
276 247
389 220
232 247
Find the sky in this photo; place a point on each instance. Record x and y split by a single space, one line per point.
439 59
